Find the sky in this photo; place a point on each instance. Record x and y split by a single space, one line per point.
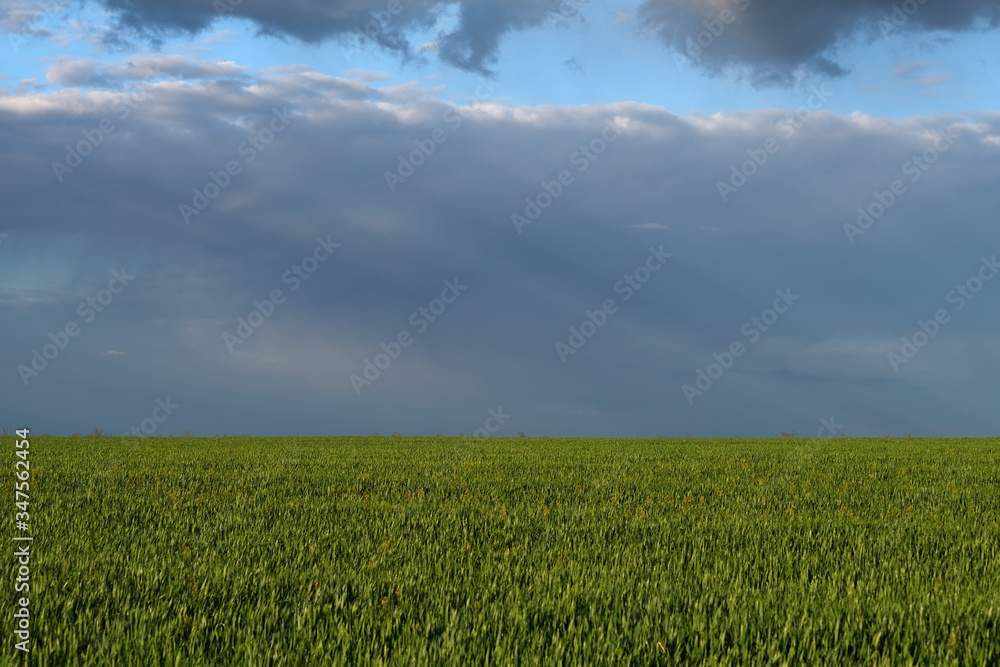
714 218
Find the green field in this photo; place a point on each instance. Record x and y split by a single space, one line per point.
412 551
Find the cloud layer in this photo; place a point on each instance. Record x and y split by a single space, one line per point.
542 212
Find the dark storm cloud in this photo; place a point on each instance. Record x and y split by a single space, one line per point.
765 41
472 45
323 176
476 42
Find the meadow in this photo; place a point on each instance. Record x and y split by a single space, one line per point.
459 551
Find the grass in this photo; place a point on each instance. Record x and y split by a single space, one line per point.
400 551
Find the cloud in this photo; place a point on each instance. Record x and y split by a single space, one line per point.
367 76
222 38
472 45
67 71
767 42
20 16
915 73
324 175
20 297
852 347
908 70
113 353
620 18
475 43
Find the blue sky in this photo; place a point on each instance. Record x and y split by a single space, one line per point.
714 217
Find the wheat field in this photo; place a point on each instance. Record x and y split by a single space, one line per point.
458 551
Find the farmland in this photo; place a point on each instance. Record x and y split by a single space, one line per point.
392 550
